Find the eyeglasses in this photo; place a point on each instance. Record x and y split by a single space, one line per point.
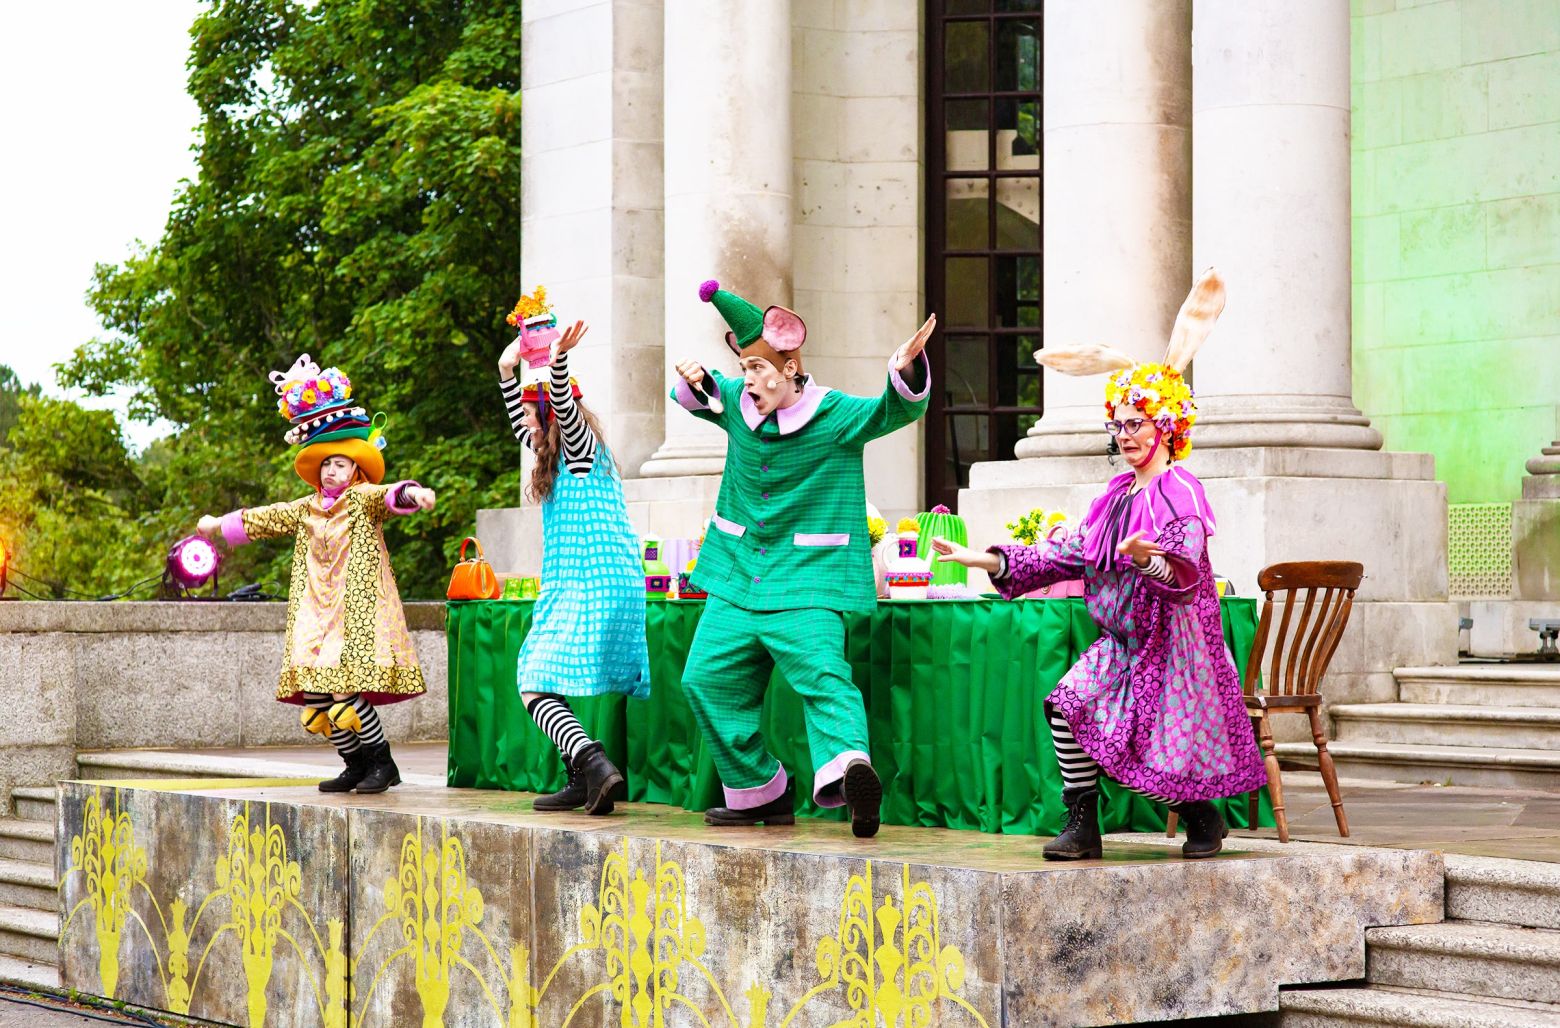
1131 426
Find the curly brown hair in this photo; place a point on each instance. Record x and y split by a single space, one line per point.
546 446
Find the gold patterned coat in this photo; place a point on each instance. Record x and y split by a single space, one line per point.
346 629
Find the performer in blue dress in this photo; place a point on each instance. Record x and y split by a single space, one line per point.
587 635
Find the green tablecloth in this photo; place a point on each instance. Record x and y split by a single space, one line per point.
953 691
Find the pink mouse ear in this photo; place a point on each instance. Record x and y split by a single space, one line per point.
731 341
784 329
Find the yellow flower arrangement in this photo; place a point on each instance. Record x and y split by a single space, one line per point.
876 527
1163 396
1036 526
529 307
907 525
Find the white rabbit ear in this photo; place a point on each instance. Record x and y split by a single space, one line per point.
1083 359
1195 320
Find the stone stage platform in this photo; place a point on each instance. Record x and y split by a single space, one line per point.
264 902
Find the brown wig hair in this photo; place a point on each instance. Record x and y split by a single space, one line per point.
547 444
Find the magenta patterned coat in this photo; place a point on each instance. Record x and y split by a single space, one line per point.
1155 700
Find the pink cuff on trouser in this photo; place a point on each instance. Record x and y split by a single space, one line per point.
831 773
233 528
747 799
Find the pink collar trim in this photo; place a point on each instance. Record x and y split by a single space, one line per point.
790 419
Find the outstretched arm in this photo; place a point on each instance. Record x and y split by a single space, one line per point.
903 399
1015 570
249 524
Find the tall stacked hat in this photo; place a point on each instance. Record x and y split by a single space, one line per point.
325 421
775 333
538 326
1159 388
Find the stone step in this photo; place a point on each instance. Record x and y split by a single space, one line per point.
30 934
162 765
1436 724
1379 1005
1452 765
1489 685
32 841
1516 892
32 973
34 802
1472 957
24 883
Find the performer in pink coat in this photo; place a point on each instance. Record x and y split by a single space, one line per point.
1155 703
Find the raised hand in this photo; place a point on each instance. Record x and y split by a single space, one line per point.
911 348
1140 550
571 338
980 559
423 497
692 372
209 527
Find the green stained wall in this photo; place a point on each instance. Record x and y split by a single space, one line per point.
1456 193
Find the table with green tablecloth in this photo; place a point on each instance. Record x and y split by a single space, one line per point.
953 689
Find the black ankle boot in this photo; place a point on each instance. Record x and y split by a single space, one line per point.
382 772
1080 840
601 781
864 796
1205 829
570 797
779 811
357 770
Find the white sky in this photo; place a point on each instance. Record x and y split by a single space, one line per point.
95 134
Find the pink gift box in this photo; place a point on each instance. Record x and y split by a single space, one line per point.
1057 590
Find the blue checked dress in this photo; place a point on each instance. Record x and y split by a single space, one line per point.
587 633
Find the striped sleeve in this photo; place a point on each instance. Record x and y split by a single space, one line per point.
511 390
1160 570
579 442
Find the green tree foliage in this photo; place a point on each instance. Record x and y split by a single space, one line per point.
358 199
11 394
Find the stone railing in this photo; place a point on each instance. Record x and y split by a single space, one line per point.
95 676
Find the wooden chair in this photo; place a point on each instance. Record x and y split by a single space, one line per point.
1323 590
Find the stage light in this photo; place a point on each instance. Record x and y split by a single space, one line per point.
192 562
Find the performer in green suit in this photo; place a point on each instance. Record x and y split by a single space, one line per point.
785 557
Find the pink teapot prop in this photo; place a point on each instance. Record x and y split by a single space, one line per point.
537 337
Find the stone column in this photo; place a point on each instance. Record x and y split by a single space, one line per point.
728 158
1535 529
1117 224
1270 209
1292 470
591 225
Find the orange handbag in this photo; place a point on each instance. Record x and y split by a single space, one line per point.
473 579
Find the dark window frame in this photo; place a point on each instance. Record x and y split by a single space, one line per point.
1002 420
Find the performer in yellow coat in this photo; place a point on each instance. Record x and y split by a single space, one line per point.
347 644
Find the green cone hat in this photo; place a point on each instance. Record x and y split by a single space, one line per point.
746 320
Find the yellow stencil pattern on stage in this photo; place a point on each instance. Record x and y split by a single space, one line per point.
886 961
256 878
106 852
437 909
890 958
259 882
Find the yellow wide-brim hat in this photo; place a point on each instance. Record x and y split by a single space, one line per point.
350 443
